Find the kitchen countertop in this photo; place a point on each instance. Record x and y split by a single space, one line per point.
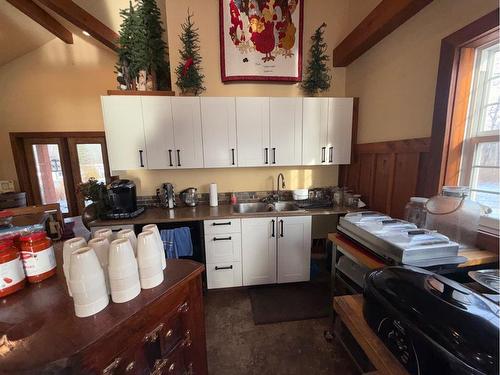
179 214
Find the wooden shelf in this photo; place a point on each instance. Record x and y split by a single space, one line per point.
143 93
350 311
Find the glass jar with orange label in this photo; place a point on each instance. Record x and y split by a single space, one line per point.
38 256
12 276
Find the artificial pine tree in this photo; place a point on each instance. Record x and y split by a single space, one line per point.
154 47
126 41
317 73
189 77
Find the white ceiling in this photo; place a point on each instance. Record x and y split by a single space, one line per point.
19 34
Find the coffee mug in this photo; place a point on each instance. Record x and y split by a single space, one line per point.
68 248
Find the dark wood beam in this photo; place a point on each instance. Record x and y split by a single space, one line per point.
43 18
384 19
83 20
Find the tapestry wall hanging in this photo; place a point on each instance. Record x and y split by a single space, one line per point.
261 40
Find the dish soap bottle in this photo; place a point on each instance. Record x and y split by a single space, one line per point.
234 200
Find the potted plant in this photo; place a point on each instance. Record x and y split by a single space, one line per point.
94 191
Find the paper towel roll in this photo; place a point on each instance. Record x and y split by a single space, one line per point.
213 195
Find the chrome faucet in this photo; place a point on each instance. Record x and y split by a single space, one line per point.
278 185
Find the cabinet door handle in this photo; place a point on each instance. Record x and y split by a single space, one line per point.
224 268
154 334
232 156
282 232
273 234
140 157
178 158
170 158
225 223
323 152
266 156
330 159
222 238
183 308
274 155
110 369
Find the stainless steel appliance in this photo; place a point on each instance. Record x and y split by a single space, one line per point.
166 195
431 324
122 198
189 196
398 241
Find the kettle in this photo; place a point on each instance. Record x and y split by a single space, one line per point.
189 196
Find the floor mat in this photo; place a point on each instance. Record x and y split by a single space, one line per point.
287 302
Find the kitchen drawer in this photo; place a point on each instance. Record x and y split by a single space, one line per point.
174 328
224 275
222 226
223 248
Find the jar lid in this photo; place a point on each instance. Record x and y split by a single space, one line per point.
419 199
34 236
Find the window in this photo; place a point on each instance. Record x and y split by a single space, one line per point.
480 164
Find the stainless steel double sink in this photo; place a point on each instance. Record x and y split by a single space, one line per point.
260 207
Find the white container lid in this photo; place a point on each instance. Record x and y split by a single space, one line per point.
419 199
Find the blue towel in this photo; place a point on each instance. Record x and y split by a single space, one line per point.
177 242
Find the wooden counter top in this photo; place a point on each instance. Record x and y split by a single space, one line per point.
475 257
165 215
350 311
38 325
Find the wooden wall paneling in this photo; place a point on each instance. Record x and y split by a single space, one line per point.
405 182
383 179
365 184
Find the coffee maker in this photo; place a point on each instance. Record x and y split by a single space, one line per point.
122 198
166 195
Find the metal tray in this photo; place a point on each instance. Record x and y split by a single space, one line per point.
487 278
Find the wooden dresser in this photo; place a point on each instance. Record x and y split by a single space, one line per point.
159 332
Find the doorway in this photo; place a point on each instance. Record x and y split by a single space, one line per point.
51 165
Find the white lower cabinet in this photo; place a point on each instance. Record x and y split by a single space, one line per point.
223 253
258 250
294 249
276 249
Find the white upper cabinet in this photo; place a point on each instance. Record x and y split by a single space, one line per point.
314 131
186 119
218 119
340 112
124 132
159 131
252 123
285 131
294 249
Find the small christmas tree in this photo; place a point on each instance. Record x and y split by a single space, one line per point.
154 47
317 73
141 52
189 77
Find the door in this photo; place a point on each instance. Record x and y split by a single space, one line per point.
124 132
159 131
187 132
252 124
218 120
294 249
340 114
285 118
314 131
51 165
258 250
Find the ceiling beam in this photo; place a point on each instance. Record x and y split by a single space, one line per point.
83 20
384 19
43 18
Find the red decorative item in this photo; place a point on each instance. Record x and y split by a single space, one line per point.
12 276
38 256
187 65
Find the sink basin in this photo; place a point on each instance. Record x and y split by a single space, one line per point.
251 208
285 206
